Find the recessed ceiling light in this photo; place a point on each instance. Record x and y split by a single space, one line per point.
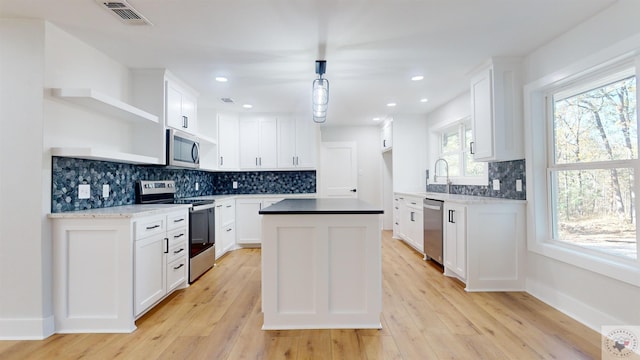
392 104
424 100
417 77
221 79
247 106
376 119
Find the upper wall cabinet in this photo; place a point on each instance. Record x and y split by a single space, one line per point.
496 111
228 135
258 145
181 108
296 143
386 139
160 92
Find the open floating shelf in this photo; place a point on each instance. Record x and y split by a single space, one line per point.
104 103
105 155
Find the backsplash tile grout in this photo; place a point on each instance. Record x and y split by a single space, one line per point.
68 173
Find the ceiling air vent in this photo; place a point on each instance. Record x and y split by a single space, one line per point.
227 100
125 12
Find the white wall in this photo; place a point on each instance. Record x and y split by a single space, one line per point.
36 56
25 295
367 139
589 297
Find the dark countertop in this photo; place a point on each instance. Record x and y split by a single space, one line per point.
320 206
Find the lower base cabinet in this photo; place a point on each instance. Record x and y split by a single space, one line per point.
225 226
248 221
108 271
485 244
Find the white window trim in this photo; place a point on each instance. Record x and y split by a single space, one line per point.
536 132
434 150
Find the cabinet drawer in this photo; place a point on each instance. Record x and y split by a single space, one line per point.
176 273
150 226
176 251
177 236
227 212
176 220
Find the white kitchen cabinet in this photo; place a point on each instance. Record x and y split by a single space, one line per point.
297 142
160 257
181 108
409 155
258 146
108 270
248 220
496 111
386 136
150 271
455 240
410 222
225 226
228 141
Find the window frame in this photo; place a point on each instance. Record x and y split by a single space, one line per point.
437 133
538 129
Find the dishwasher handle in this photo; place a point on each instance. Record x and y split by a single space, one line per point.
432 207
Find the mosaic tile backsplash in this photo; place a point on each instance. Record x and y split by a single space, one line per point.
68 173
506 171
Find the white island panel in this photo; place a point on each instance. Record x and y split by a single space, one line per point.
321 271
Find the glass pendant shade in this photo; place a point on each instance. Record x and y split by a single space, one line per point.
320 96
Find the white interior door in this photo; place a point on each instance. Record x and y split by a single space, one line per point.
339 170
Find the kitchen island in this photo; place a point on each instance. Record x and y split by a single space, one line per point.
321 264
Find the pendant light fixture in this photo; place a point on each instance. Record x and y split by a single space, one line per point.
320 93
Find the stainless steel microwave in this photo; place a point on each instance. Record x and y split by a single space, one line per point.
183 150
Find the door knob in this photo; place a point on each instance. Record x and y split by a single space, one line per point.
353 190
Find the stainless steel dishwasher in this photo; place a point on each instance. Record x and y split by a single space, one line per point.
433 219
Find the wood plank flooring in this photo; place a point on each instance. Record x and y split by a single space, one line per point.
425 316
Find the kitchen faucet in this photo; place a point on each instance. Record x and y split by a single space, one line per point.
435 173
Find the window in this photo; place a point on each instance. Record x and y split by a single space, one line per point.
454 148
593 162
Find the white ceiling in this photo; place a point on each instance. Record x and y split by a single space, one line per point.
268 48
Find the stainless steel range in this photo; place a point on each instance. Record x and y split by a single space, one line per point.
202 251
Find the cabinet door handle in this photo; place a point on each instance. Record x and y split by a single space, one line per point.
166 245
260 161
229 230
221 160
178 220
178 236
185 122
412 216
178 267
229 206
451 219
384 143
153 227
256 161
178 251
471 148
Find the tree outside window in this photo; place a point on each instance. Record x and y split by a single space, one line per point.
593 165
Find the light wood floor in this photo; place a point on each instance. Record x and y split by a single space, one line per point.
425 316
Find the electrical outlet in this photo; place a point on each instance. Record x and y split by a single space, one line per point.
105 191
496 184
235 184
197 186
84 191
519 185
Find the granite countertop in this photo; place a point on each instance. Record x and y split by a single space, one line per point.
462 199
125 211
320 206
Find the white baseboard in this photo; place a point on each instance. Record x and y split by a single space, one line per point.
574 308
26 329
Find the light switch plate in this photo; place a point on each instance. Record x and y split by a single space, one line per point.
235 184
519 185
84 191
496 184
197 186
105 190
